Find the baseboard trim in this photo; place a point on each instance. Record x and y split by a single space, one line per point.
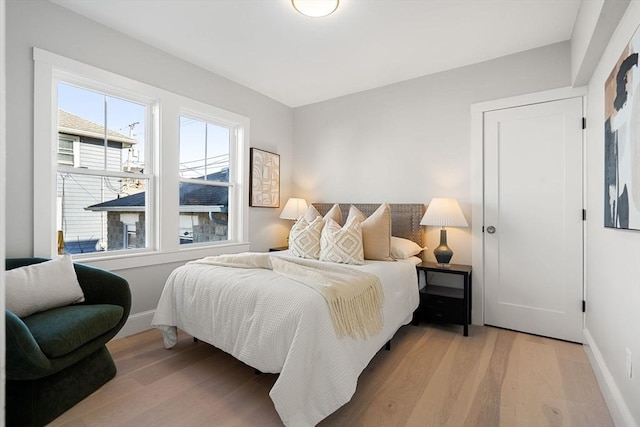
136 323
617 407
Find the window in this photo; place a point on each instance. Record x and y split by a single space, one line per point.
112 184
100 174
204 181
67 147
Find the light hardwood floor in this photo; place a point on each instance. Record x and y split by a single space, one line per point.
433 376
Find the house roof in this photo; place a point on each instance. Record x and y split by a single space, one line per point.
74 125
193 197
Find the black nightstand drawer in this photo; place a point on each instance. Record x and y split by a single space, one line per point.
441 308
442 302
438 314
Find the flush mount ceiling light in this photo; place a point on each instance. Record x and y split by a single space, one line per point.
315 8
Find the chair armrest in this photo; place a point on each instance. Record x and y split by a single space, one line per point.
11 263
103 287
25 360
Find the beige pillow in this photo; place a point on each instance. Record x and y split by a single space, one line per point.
304 238
334 213
342 244
43 286
376 232
404 248
311 213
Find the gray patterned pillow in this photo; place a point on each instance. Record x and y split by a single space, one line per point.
343 245
304 238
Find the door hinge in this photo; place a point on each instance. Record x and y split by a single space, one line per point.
584 306
584 214
584 123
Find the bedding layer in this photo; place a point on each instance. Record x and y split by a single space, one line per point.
278 325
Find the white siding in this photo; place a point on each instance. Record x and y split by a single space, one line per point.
92 156
78 192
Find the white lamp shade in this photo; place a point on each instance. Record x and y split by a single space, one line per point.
315 8
294 208
444 213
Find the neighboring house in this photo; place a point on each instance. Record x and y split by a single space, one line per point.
81 145
203 214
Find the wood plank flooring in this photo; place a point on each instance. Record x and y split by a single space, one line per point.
433 376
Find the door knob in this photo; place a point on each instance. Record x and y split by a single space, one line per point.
491 229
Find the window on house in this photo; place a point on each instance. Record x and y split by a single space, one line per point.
204 181
67 147
130 236
114 186
100 177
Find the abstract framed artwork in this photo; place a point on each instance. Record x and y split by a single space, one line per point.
264 189
622 141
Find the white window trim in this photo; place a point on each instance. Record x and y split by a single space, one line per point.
48 68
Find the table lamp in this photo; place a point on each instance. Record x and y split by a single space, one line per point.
294 208
444 213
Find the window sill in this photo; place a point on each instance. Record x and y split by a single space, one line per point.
123 261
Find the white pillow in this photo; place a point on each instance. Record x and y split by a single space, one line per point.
304 238
376 232
404 248
343 245
40 287
334 213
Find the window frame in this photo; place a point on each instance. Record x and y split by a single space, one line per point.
161 152
191 113
151 171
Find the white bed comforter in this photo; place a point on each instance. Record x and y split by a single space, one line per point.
278 325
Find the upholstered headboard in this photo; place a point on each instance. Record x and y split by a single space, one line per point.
405 217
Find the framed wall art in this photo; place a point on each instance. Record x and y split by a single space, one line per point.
264 189
622 141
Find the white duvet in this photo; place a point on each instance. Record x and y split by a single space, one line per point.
278 325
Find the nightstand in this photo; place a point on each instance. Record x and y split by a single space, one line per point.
279 248
443 303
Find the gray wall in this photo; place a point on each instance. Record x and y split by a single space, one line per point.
406 142
613 257
410 142
2 193
45 25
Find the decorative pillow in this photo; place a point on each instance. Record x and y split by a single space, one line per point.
404 248
343 245
304 238
376 232
40 287
334 213
311 213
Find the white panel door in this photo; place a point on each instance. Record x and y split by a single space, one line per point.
533 227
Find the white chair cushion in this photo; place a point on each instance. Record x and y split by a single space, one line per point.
42 286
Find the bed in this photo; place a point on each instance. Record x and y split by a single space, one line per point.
274 324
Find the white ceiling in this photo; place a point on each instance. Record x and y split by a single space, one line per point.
267 46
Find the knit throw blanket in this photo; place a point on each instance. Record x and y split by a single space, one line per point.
354 297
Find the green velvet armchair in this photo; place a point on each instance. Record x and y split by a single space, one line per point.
56 358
